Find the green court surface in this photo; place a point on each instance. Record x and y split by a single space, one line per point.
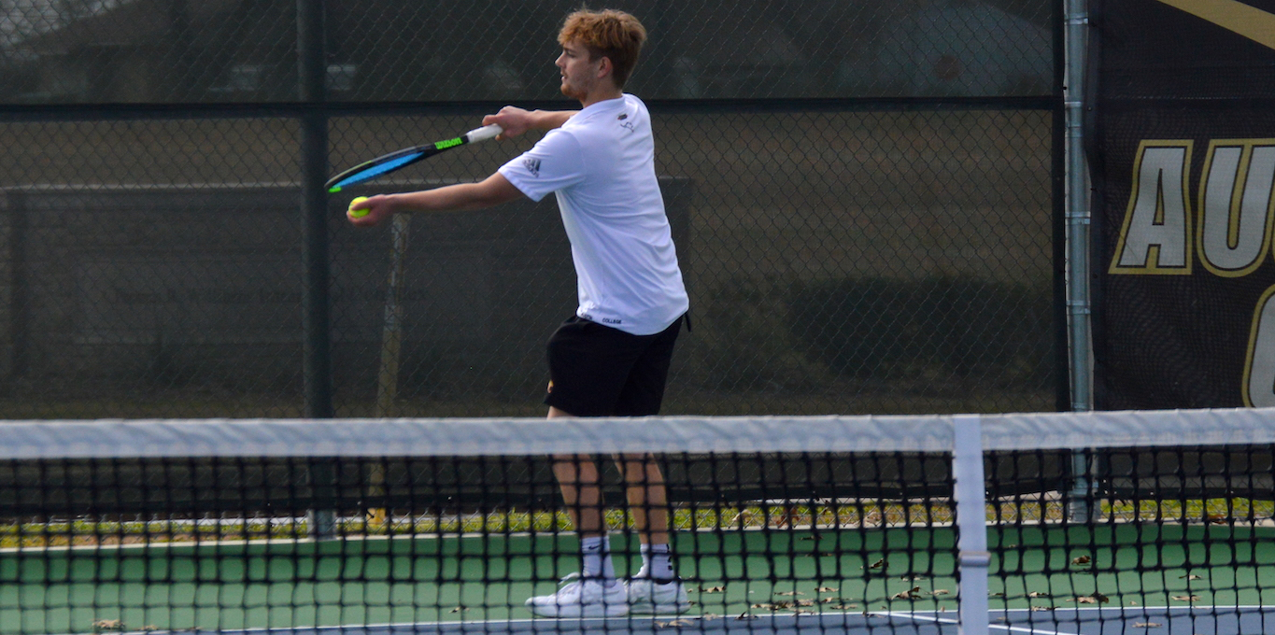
428 579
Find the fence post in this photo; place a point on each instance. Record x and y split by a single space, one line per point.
311 69
316 320
1078 220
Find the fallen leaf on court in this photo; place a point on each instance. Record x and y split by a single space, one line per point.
1186 598
790 593
1190 576
746 616
879 564
713 589
913 593
108 625
998 594
1096 598
912 577
1081 560
825 589
1042 608
937 592
1145 624
774 606
459 609
805 602
710 616
1037 594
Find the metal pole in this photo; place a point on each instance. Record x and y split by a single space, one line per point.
1078 220
316 319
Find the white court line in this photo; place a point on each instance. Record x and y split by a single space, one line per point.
939 620
916 616
1020 629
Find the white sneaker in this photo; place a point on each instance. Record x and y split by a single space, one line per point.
582 597
648 597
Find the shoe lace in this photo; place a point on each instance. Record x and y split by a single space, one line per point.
569 581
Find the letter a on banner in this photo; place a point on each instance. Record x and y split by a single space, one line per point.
1156 237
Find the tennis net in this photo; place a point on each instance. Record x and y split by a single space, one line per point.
1050 523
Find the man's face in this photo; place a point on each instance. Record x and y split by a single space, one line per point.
579 72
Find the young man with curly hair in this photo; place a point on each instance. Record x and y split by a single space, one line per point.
612 357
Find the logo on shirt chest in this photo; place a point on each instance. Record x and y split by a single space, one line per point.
533 166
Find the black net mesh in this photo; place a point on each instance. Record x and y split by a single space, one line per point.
296 527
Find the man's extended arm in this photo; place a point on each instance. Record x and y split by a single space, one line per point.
516 121
493 190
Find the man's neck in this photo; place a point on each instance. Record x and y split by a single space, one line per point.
600 96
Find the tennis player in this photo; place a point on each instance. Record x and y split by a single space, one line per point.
612 357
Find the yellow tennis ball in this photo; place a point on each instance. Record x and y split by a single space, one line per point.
358 213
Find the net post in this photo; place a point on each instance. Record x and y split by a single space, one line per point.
971 518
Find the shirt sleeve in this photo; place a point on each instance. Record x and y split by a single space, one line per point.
554 163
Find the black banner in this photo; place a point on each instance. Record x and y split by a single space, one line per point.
1182 149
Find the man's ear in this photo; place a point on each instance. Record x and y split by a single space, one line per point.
605 67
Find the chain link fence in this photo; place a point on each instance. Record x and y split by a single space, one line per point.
864 199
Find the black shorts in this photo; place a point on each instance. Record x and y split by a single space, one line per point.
598 371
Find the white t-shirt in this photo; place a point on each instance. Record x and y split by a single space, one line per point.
601 165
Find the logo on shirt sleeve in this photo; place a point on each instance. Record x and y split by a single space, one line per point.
532 165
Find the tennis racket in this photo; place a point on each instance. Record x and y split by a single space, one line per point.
402 158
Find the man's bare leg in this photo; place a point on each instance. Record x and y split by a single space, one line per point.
648 500
596 593
579 482
656 588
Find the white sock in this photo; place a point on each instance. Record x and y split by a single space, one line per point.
657 563
595 559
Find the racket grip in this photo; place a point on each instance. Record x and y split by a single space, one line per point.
484 133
